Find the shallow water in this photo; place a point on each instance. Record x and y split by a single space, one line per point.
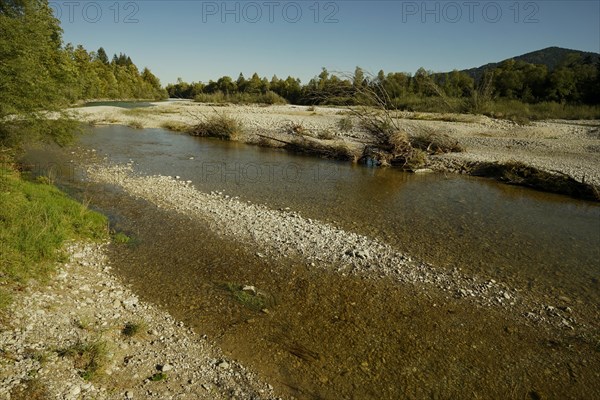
516 234
330 336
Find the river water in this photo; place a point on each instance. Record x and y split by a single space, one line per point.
329 336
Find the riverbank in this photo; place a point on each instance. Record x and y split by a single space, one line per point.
85 335
557 148
70 329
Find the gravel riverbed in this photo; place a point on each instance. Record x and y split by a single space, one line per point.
284 233
84 306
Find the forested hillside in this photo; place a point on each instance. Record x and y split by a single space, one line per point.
568 89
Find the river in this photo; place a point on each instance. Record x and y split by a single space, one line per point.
333 336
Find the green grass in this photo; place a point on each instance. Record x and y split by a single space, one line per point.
88 358
121 238
254 301
36 219
157 377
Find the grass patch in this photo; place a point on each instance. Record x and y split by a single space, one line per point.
518 173
335 149
32 389
138 112
436 143
157 377
345 124
220 126
121 238
35 221
136 124
132 329
88 358
252 299
176 126
326 134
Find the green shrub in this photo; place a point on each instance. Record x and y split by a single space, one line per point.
132 329
269 98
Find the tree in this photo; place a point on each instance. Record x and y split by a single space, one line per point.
358 80
33 69
101 56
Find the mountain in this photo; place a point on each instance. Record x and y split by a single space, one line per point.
551 57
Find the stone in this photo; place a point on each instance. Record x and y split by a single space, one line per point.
166 367
129 394
249 288
223 365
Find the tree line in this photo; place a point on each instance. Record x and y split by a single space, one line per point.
39 74
575 81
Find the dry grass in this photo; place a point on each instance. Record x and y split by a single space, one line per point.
88 358
176 126
32 389
136 124
219 126
436 143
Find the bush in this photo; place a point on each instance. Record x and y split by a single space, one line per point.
136 124
269 98
220 126
295 128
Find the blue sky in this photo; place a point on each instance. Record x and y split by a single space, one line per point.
202 40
